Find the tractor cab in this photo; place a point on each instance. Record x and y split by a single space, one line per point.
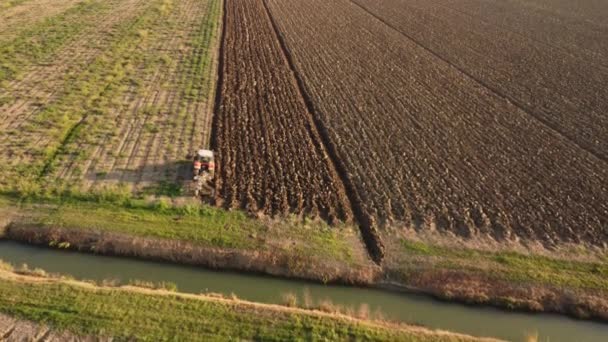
203 164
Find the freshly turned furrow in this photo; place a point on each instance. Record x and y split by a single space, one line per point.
426 146
270 155
368 226
594 11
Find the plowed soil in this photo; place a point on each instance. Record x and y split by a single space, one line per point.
270 155
445 121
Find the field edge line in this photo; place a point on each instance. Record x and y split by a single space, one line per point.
367 224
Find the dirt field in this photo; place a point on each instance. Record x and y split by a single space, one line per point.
550 70
270 154
444 122
118 96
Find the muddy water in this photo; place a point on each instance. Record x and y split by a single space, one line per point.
395 306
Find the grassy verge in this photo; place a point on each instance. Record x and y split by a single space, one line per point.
142 314
510 266
195 223
514 280
192 233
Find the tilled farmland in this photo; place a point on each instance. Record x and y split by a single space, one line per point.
540 73
451 136
270 155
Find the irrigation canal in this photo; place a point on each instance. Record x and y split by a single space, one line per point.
479 321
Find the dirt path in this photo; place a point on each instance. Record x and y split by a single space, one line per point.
16 330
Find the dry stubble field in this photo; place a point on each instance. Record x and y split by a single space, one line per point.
106 94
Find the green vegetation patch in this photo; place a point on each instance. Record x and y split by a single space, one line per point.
79 114
513 266
200 58
130 315
45 38
205 225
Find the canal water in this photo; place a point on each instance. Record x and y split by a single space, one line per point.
478 321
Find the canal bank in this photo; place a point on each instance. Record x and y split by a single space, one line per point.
477 321
35 306
573 283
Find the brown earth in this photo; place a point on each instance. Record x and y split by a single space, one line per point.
270 155
559 83
446 136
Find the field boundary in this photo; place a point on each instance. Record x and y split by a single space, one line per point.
495 91
49 291
367 224
219 82
272 263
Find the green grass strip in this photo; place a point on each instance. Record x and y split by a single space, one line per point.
44 39
201 57
514 266
196 223
128 315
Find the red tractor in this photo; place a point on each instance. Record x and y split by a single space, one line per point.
203 171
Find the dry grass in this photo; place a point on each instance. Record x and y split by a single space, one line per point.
270 262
